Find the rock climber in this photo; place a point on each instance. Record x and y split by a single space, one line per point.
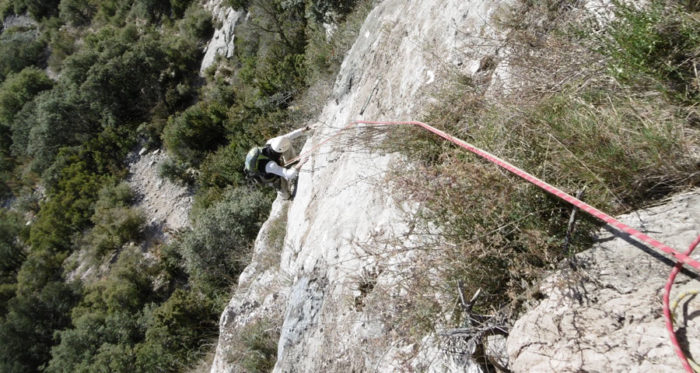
265 164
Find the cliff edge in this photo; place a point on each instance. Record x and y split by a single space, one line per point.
328 265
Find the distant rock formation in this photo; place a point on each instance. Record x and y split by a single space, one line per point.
221 44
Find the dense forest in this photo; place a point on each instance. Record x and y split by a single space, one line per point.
84 83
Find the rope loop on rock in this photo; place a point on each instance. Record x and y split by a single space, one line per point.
668 315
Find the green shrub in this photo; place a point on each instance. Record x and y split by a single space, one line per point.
151 10
183 324
323 56
16 92
20 88
115 223
19 49
154 357
5 10
39 9
174 171
110 321
125 83
222 168
117 226
256 347
74 69
12 253
115 195
154 10
97 342
27 330
7 292
218 247
68 212
269 52
115 358
238 4
280 77
127 288
7 164
114 12
198 23
120 326
77 12
59 118
179 7
658 42
161 337
198 130
62 44
126 74
151 131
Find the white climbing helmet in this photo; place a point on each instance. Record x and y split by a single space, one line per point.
280 144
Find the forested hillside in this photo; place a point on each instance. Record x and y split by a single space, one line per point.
83 84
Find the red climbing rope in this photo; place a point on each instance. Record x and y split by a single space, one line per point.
682 258
667 309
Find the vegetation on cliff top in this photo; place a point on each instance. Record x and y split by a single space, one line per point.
612 109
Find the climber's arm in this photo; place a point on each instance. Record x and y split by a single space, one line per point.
296 133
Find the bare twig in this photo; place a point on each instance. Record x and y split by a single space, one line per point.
374 90
572 220
460 290
475 326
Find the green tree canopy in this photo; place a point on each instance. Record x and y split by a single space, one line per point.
26 332
197 131
20 48
222 236
20 88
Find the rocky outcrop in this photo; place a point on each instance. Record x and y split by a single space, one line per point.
166 205
221 44
347 241
263 288
606 316
18 21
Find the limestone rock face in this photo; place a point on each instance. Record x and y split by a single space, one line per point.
344 249
607 316
262 288
221 44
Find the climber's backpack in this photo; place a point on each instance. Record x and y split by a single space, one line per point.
253 165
